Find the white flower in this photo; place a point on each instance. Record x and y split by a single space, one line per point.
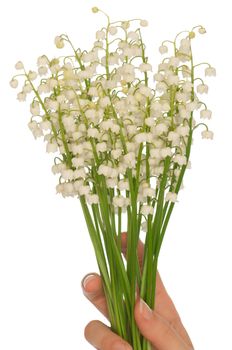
206 134
101 147
45 125
51 147
155 153
104 102
93 91
83 190
42 60
100 35
181 160
133 36
148 192
187 86
210 72
123 185
150 121
21 96
32 75
111 182
172 79
119 201
206 114
19 65
144 226
129 159
145 90
77 162
14 83
141 137
42 70
92 198
35 108
143 23
163 49
202 89
158 77
145 67
171 197
174 61
165 152
67 174
173 136
79 173
147 210
116 153
59 42
202 30
90 113
161 128
161 87
183 130
113 30
93 132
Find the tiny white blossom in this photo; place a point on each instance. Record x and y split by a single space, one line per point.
210 72
19 65
171 197
67 174
116 153
144 23
163 49
84 190
148 192
202 30
145 67
206 134
179 159
123 185
113 30
21 96
101 147
147 210
206 114
100 35
202 89
92 199
119 201
51 147
14 83
59 42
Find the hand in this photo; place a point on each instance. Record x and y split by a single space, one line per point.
162 327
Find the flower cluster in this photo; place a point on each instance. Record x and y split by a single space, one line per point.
112 120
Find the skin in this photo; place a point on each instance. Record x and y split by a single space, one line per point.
162 326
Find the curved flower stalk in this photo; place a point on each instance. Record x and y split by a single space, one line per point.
122 137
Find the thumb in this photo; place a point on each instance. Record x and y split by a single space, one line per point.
157 330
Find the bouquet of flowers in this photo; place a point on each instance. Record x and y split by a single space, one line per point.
122 137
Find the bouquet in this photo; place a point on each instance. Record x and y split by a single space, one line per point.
122 136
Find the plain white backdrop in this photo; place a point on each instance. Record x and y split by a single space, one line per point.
44 245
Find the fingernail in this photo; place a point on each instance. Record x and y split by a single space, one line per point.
87 279
144 309
120 346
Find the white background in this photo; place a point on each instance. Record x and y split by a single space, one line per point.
44 246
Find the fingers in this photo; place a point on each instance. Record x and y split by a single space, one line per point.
159 331
93 290
163 303
102 338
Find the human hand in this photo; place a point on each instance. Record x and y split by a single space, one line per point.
162 327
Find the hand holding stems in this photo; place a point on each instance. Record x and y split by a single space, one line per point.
162 326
